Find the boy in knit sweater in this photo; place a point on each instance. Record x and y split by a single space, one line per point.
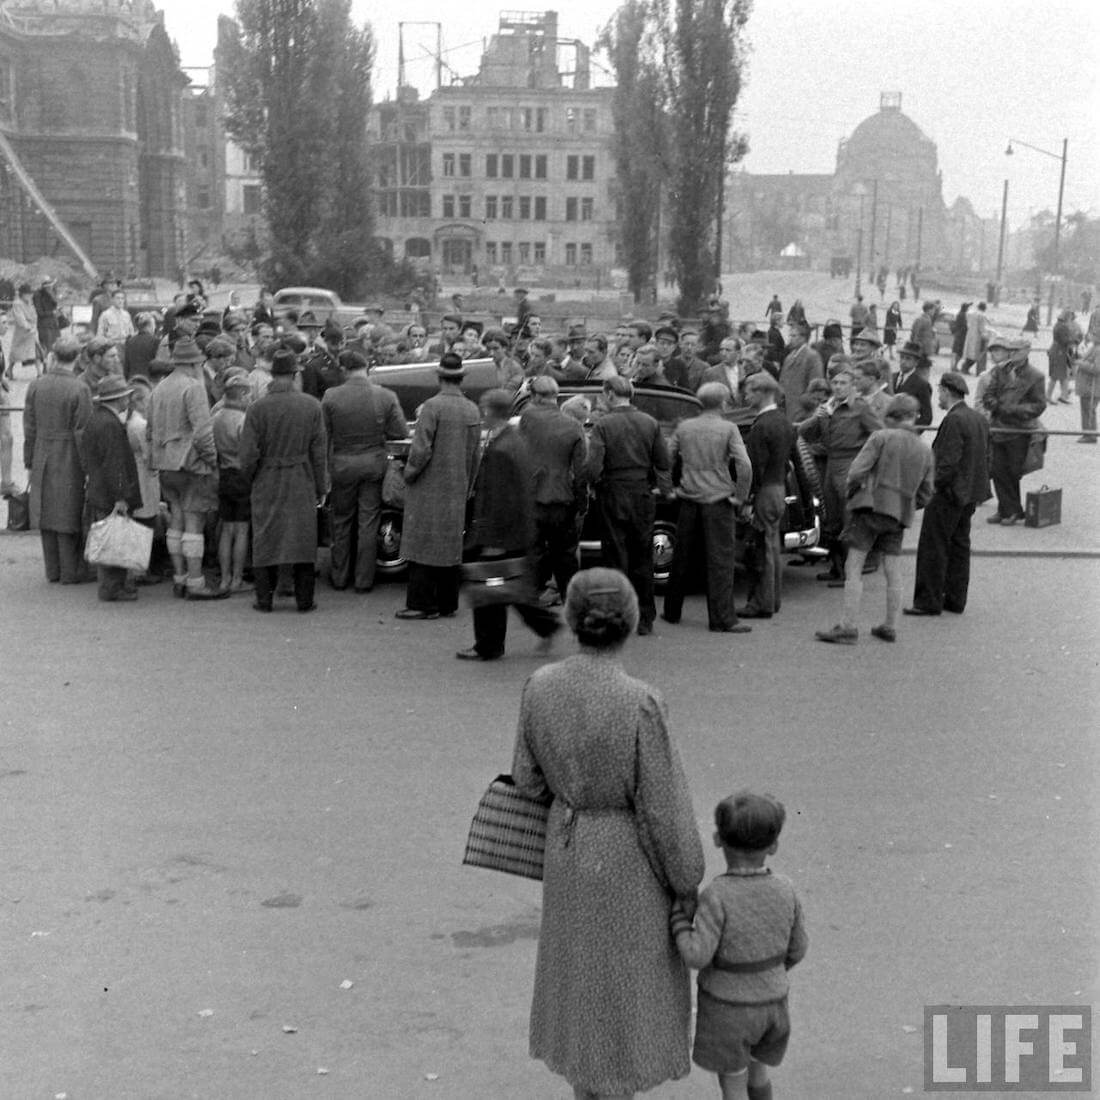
747 934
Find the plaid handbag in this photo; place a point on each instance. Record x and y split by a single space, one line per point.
508 832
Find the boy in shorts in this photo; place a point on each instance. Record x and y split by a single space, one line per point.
747 934
888 481
234 492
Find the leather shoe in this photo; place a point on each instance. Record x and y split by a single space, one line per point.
207 593
918 611
669 620
838 635
953 610
644 629
362 590
732 628
753 613
413 613
1010 521
472 654
884 633
258 606
995 518
829 575
308 607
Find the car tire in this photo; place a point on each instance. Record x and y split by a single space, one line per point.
806 468
390 561
664 551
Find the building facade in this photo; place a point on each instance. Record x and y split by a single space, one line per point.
507 176
91 110
882 207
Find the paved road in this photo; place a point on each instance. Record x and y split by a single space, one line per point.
211 819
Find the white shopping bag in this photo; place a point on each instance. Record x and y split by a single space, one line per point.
119 541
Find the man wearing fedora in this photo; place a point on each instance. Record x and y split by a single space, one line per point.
438 476
912 378
181 436
961 483
284 457
113 487
56 409
923 332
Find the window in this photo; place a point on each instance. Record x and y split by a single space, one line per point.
7 89
506 208
490 208
540 208
507 166
572 168
464 206
540 166
492 117
570 255
491 166
540 119
449 118
204 198
588 168
416 204
448 206
448 164
586 255
524 252
540 252
524 166
505 252
251 199
464 118
587 209
465 165
525 208
204 157
572 118
570 210
528 116
589 120
490 252
252 164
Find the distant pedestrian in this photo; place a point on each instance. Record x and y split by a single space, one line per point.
24 350
1061 356
1088 390
961 483
49 320
958 335
887 482
1031 324
891 326
923 331
977 340
747 933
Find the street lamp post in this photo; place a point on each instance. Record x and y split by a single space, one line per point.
1058 216
861 191
1001 248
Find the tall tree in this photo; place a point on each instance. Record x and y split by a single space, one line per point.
298 92
638 109
703 57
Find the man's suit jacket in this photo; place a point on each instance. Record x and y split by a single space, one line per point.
109 462
960 449
920 388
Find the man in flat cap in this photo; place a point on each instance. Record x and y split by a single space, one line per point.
438 475
1015 399
961 484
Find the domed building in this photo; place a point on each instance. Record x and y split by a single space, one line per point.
886 176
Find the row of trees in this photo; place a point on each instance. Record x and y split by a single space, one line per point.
298 80
678 67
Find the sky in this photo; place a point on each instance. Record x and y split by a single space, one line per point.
971 75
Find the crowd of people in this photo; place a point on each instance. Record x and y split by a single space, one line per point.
230 429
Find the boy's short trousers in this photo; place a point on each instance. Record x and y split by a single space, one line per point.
728 1036
189 492
234 496
867 531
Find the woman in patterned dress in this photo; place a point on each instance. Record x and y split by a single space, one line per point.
612 1001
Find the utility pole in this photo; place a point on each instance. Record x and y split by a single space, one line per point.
920 233
1001 247
874 219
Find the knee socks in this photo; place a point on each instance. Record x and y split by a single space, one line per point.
192 545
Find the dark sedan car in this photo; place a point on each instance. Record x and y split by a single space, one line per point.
801 527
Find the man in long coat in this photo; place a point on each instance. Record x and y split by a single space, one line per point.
801 366
439 475
113 485
56 409
961 483
283 456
